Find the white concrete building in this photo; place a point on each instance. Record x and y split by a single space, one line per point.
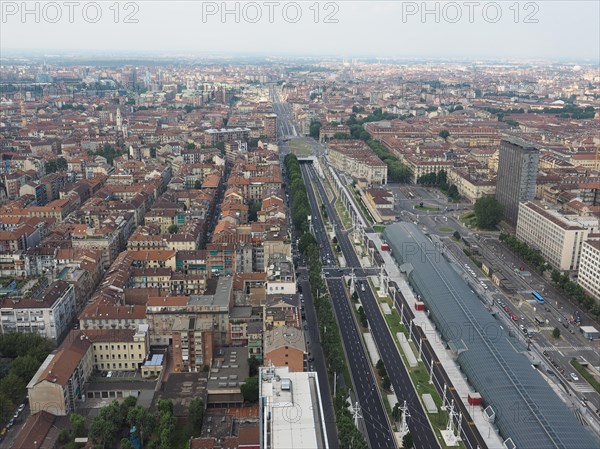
49 316
291 410
589 268
559 237
281 276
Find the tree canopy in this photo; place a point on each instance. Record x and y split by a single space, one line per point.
488 211
250 389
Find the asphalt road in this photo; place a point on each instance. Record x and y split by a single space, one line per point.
379 434
423 435
315 351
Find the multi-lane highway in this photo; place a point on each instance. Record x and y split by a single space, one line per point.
419 426
376 424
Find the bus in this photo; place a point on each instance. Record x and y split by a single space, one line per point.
539 298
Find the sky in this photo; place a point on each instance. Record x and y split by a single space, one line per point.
539 30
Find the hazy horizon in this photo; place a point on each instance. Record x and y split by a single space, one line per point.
565 31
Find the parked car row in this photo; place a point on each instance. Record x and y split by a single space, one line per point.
12 420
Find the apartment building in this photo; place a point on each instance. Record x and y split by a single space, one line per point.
558 237
210 310
421 165
192 344
119 349
358 161
285 346
589 268
281 278
49 316
214 136
60 381
270 125
471 186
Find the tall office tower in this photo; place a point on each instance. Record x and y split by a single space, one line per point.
517 173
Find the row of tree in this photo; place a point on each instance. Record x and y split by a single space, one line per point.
561 281
330 339
397 171
575 292
349 435
530 255
121 421
440 179
297 192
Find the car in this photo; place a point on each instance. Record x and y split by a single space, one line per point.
21 407
362 287
10 423
522 317
583 402
103 373
110 373
574 377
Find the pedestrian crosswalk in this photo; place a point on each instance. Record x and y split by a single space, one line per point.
568 348
583 387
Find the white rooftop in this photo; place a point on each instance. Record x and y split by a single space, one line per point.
292 415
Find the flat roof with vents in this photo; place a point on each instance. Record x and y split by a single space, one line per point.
291 411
